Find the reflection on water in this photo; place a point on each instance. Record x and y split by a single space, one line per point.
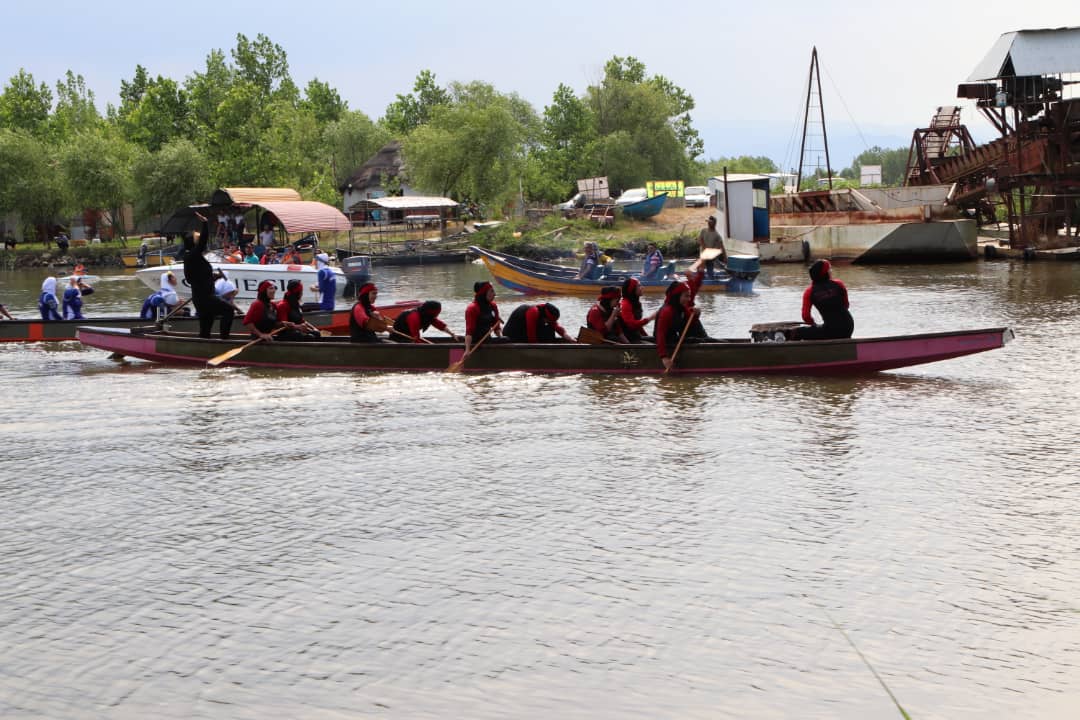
250 543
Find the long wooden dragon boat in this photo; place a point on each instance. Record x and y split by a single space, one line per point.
810 357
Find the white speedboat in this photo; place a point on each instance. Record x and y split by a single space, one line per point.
246 277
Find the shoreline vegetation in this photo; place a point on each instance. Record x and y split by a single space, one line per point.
674 231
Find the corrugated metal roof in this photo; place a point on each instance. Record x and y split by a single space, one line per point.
300 216
407 202
255 196
740 177
1032 52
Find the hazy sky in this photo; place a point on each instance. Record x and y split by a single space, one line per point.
885 66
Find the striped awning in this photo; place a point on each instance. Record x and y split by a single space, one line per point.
253 196
300 216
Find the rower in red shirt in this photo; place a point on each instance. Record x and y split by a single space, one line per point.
671 320
411 323
535 323
604 316
482 314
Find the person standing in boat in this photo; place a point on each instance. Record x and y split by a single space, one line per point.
535 323
671 320
48 304
327 287
650 269
412 323
290 313
631 313
364 319
830 297
199 276
482 314
73 298
604 316
262 317
709 239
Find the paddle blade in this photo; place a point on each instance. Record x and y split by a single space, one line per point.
590 336
456 367
225 356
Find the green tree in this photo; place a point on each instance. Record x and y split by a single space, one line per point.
641 136
472 149
75 110
740 164
96 164
24 105
264 64
410 111
206 91
567 147
159 115
324 102
350 142
30 183
893 164
174 176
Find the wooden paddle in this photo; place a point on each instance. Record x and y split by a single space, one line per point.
460 364
182 303
678 345
592 337
230 354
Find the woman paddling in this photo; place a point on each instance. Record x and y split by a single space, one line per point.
604 316
412 323
631 313
261 318
291 314
671 320
481 315
365 320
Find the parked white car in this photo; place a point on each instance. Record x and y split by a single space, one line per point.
632 195
696 196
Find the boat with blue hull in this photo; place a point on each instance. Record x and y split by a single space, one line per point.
531 277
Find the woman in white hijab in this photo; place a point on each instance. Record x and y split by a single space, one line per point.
168 291
327 287
48 303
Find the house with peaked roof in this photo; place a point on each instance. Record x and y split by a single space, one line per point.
367 181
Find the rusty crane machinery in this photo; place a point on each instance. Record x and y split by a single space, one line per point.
1032 171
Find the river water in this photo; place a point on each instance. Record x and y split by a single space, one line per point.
231 543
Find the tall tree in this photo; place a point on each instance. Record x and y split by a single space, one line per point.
264 64
469 149
351 141
161 114
30 183
24 105
97 166
638 123
324 102
414 109
75 110
175 176
568 146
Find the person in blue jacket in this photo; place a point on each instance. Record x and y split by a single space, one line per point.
327 286
48 303
73 296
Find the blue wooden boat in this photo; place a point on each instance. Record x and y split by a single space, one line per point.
645 208
536 278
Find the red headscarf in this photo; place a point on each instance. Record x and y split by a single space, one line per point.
630 287
365 289
676 289
609 293
480 290
263 291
